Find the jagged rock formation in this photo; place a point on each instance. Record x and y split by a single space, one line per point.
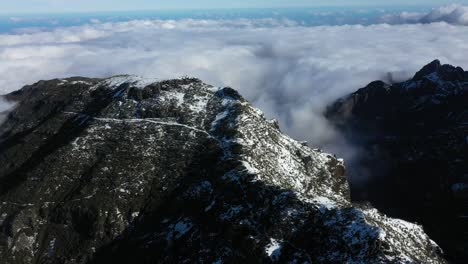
124 170
415 137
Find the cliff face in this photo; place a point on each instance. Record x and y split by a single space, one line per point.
415 139
126 170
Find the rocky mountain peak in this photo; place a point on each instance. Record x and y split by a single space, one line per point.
126 169
436 71
428 69
414 138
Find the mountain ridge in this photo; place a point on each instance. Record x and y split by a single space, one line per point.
413 136
124 169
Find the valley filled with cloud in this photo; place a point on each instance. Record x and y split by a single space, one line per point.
290 71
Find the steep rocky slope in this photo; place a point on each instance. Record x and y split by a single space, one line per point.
125 170
415 140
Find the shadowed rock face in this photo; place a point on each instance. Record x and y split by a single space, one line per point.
415 140
126 170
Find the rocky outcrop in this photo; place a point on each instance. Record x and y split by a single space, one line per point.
126 170
415 140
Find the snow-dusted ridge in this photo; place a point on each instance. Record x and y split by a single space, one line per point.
134 80
179 161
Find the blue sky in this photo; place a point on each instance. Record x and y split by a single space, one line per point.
54 6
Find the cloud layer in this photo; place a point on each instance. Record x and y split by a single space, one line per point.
289 71
452 14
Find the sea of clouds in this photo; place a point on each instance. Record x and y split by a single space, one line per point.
289 71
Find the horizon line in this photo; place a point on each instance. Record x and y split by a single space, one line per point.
214 9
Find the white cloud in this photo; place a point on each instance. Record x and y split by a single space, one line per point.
453 14
5 107
289 71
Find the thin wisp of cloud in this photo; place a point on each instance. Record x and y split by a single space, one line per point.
5 108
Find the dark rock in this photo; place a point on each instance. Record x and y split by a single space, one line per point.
414 137
123 170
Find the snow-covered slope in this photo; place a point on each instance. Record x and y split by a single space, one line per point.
127 170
